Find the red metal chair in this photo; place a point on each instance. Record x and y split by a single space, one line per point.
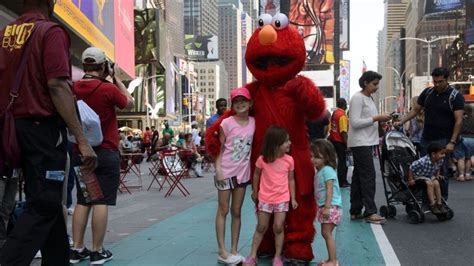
130 164
174 170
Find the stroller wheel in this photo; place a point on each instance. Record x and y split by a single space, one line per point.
415 217
384 211
446 216
409 207
392 211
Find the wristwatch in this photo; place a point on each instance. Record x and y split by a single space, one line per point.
453 142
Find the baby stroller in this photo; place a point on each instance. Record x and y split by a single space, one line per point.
398 152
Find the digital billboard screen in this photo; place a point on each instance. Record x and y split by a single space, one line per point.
314 20
92 20
201 47
439 6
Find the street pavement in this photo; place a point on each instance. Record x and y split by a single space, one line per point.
147 229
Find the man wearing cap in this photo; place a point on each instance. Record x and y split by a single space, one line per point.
103 97
42 108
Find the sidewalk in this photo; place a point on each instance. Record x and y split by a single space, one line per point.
147 229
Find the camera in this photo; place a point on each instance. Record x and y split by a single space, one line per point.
109 65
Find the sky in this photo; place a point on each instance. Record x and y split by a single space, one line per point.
366 19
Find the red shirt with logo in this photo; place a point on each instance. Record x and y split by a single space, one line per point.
103 101
339 124
49 59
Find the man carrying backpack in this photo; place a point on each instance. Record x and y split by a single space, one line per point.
103 97
37 103
444 109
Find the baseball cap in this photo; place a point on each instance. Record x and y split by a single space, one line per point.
94 55
242 91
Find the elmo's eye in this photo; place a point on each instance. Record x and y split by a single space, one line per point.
264 19
280 21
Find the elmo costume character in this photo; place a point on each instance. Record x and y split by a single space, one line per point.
275 55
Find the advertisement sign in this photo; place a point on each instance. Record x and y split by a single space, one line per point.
269 7
438 6
345 79
92 20
124 36
344 22
201 47
469 32
314 20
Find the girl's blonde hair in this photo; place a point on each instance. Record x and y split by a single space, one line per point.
275 136
325 149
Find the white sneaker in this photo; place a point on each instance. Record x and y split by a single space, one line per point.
38 255
239 257
231 259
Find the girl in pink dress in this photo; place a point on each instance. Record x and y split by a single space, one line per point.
273 186
233 171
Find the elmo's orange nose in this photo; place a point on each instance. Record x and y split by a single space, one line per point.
267 35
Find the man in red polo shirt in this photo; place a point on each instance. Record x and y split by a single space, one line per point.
103 97
338 137
42 110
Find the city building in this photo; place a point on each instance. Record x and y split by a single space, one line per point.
395 11
246 34
212 83
201 17
230 39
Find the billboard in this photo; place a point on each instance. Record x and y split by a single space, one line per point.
314 20
469 31
269 7
345 79
124 36
344 24
201 47
92 20
439 6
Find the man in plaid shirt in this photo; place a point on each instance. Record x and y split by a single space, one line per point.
424 173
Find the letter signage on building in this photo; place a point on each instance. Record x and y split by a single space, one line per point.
201 47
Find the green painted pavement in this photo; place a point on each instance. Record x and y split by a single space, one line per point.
188 238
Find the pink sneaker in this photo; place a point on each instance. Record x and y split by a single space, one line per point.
277 261
250 261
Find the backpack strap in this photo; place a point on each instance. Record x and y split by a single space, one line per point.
92 92
452 97
15 89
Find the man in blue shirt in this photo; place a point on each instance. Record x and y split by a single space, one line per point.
221 106
444 109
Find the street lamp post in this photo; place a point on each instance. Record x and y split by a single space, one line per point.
400 77
429 47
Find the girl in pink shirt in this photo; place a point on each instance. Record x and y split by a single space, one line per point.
273 186
233 171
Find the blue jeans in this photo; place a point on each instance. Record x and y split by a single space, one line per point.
444 168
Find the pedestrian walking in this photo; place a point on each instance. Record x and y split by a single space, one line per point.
103 97
233 171
444 108
328 195
318 129
34 61
273 189
362 137
221 106
338 137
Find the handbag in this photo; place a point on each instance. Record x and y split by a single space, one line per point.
10 152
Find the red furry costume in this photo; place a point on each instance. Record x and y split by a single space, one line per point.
275 56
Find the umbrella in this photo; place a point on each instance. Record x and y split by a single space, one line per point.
124 129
